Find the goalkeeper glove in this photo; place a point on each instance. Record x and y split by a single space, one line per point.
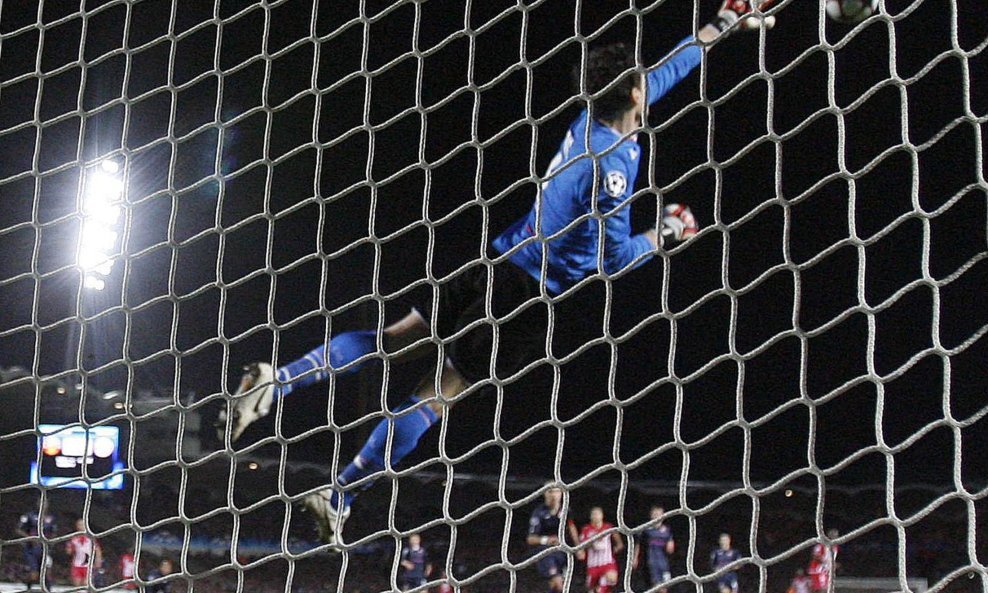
678 223
733 10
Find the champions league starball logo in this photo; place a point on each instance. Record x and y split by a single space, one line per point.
615 184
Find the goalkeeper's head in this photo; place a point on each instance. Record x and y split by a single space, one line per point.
612 67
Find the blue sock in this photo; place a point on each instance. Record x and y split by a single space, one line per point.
343 349
407 428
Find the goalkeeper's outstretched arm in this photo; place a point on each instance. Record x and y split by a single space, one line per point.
685 57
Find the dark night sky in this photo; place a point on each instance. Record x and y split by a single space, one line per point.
257 167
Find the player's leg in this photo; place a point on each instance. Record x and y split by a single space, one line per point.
595 578
262 384
558 561
609 579
654 571
33 559
347 348
79 575
411 420
556 583
550 567
462 301
659 571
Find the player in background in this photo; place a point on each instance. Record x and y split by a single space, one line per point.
591 179
156 584
415 564
543 533
800 583
723 555
81 548
658 543
823 562
602 566
127 566
444 586
34 525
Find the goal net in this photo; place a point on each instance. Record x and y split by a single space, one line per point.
187 187
854 585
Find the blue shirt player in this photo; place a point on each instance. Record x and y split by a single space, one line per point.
723 555
658 544
543 533
578 227
414 563
35 525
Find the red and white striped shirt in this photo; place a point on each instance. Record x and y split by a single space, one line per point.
127 565
600 552
823 559
81 547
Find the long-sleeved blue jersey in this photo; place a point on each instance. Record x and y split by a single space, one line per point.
568 195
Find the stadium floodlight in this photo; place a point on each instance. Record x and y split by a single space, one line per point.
100 215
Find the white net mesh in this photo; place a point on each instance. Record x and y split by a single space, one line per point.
289 170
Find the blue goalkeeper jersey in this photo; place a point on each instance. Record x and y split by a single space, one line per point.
571 254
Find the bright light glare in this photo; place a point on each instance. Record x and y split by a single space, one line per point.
101 212
107 214
93 259
94 283
97 238
102 190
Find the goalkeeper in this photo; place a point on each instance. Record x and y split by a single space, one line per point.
583 209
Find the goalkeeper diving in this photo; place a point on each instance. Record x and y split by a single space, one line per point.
578 227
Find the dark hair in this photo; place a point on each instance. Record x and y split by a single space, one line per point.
605 65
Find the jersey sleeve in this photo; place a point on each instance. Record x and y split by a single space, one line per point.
678 64
621 248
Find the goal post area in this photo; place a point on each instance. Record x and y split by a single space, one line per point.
878 585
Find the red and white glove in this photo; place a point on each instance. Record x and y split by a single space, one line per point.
733 10
678 223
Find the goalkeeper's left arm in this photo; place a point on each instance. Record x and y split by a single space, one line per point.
686 56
